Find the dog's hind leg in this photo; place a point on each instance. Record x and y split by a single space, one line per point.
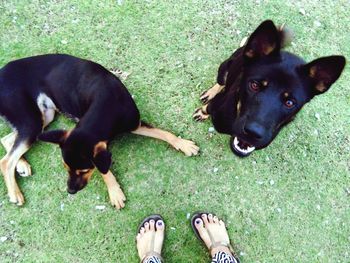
189 148
23 167
8 166
28 127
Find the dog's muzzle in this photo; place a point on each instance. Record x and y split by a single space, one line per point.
240 147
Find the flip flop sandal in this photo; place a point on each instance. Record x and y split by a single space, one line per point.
213 244
151 253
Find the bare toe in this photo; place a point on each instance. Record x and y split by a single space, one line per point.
215 219
160 225
205 219
210 218
159 237
151 225
146 225
203 233
142 230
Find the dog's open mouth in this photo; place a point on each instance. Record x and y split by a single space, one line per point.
241 147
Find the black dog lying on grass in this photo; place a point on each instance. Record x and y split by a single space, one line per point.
33 89
261 88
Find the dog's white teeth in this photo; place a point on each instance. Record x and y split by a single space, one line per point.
245 151
235 142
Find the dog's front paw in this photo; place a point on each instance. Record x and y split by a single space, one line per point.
209 94
189 148
117 197
199 115
23 168
16 197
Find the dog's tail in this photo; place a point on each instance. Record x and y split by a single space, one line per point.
286 35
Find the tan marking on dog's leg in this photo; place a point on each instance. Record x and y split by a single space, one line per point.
201 114
23 167
189 148
9 140
100 146
115 193
211 93
7 166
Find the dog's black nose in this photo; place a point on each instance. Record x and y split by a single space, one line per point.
71 191
254 130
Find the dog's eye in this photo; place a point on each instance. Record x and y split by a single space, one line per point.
289 103
254 86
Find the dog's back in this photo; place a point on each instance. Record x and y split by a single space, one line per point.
69 81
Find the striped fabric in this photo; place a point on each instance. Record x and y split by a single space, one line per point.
220 257
152 259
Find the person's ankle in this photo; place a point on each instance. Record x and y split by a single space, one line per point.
224 249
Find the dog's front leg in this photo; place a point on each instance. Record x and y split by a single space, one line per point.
189 148
115 193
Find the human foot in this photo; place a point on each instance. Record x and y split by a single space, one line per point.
212 231
150 236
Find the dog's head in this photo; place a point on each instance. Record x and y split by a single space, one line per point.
273 86
81 154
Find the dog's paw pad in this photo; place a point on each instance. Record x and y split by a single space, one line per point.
117 198
23 168
199 115
189 148
17 198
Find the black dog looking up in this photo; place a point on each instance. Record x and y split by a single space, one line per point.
260 88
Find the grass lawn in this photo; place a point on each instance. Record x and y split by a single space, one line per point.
287 203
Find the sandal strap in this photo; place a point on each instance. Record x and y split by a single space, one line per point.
220 244
152 254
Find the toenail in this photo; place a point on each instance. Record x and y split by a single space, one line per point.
160 223
198 221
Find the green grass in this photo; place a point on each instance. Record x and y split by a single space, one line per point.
287 203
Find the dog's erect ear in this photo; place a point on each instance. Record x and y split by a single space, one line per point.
264 41
323 72
102 157
56 136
